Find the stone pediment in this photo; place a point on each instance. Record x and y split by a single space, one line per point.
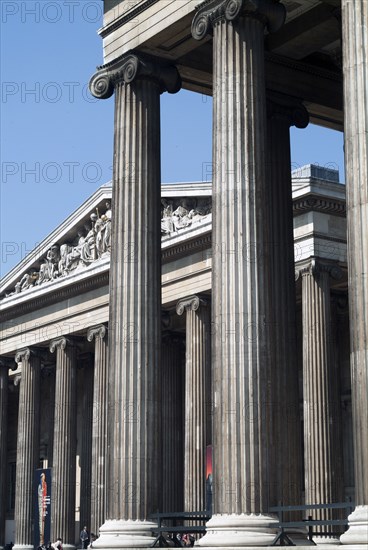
78 248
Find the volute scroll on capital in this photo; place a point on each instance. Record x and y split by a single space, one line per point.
287 107
132 66
316 266
96 332
26 353
190 303
61 343
210 12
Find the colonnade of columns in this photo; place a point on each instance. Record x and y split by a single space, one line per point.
185 417
251 356
63 488
243 263
243 299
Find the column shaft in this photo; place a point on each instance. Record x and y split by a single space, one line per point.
286 425
134 436
241 352
135 307
27 446
240 271
172 424
86 400
323 450
64 446
196 400
4 367
355 69
197 357
99 429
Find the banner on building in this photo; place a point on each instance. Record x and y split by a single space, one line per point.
42 515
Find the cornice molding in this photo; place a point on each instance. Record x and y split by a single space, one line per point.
176 251
120 21
186 247
315 203
209 13
316 235
303 67
315 267
130 67
56 296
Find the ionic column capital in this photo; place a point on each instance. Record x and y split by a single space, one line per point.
98 331
316 266
130 67
27 353
270 12
61 343
191 303
291 108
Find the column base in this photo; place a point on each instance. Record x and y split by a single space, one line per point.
326 541
119 533
23 547
357 534
238 530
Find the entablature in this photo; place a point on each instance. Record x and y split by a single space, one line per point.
303 58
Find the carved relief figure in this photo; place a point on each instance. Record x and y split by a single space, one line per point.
48 270
92 243
167 225
186 213
27 281
88 250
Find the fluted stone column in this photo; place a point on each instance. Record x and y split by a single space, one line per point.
197 359
135 297
240 288
85 399
27 445
65 439
4 368
283 112
322 431
355 70
99 427
172 359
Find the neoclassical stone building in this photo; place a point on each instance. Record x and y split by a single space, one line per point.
55 363
269 64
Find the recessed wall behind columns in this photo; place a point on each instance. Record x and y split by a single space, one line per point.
180 277
47 427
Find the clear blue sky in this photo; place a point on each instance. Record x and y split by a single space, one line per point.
56 140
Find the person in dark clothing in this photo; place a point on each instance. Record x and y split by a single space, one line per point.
84 536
